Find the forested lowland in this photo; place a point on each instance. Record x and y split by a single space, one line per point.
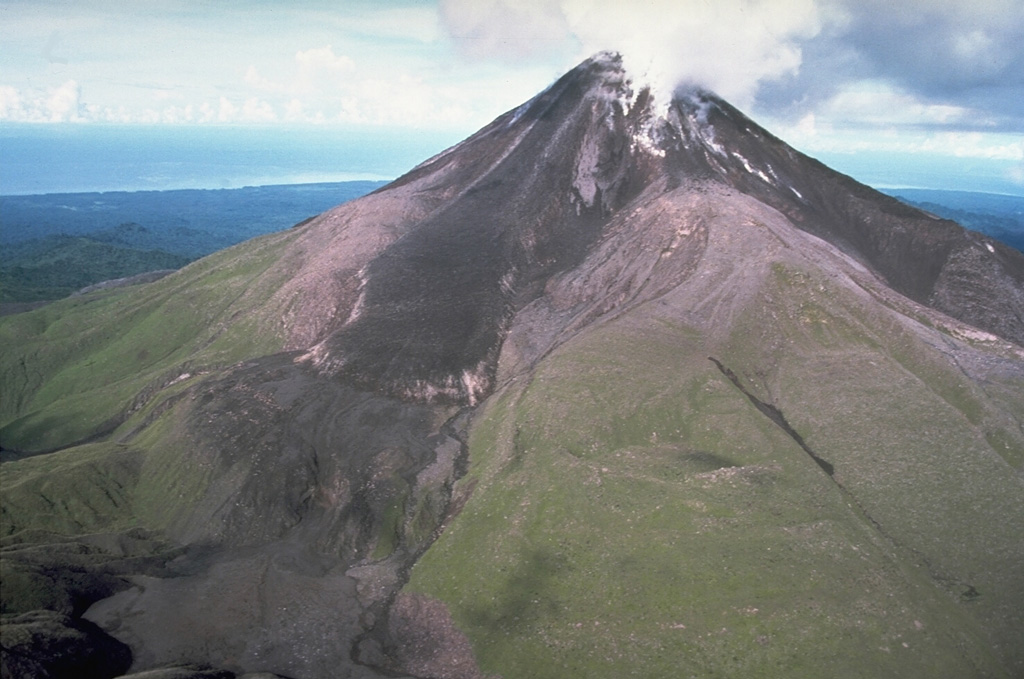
995 215
55 244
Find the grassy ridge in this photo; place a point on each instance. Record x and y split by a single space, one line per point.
141 476
76 365
640 517
109 366
55 267
55 244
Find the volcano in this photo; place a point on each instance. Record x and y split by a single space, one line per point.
608 389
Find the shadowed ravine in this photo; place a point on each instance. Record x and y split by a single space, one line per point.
776 416
956 585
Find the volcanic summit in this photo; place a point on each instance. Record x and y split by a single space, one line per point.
605 390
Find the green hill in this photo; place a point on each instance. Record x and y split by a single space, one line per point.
56 266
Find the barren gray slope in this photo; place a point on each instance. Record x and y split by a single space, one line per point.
525 198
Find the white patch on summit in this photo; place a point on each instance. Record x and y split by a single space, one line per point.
644 141
518 113
751 169
357 308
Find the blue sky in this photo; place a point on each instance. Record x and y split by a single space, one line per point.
845 80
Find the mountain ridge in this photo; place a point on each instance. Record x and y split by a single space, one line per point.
692 151
468 424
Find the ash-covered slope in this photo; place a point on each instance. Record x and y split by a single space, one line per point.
530 194
712 405
525 198
931 260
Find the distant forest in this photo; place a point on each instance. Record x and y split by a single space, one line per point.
995 215
55 244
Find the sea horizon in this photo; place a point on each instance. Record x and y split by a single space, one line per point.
42 159
48 159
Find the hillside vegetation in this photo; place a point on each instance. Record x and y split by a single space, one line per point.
56 244
595 393
631 511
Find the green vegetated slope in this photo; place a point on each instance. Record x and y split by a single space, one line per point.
76 368
996 215
53 245
112 366
632 512
51 268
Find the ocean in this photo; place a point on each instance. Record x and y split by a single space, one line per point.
931 171
68 158
37 159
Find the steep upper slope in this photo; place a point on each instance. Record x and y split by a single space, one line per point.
712 404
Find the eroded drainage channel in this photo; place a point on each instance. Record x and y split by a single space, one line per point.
776 416
966 590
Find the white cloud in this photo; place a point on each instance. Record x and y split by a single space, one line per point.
206 113
320 67
257 111
226 112
973 145
729 46
1016 174
61 104
11 104
812 135
878 103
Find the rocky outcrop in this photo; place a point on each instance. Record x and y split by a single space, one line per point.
49 645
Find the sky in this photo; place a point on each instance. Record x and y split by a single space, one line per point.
889 87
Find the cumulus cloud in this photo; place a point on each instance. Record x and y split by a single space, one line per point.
226 111
817 134
943 62
729 46
257 111
879 104
314 69
61 104
321 67
1016 174
10 103
941 52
